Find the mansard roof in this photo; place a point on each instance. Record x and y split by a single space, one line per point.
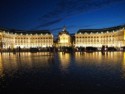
101 30
3 29
31 32
27 31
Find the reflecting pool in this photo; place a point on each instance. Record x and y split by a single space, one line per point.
67 73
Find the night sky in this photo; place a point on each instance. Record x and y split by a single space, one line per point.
54 14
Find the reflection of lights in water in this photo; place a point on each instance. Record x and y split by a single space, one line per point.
9 63
106 58
25 61
1 67
13 62
123 66
64 60
92 57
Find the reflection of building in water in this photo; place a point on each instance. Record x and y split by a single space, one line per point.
25 39
100 37
24 61
87 58
123 66
64 60
1 66
10 64
109 58
42 60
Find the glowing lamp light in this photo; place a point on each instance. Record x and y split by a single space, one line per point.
44 46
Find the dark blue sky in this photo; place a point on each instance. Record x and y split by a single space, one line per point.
54 14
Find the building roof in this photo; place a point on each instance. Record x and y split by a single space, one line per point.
64 31
3 29
27 31
31 32
101 30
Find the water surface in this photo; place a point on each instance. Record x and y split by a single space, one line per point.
67 73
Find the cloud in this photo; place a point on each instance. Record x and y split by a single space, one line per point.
60 28
49 23
67 8
56 29
70 6
86 26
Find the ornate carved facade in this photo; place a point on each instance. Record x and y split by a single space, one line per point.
14 39
64 38
111 37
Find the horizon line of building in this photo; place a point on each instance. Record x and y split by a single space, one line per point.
110 37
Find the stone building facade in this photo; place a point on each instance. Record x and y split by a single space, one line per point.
64 38
111 37
28 39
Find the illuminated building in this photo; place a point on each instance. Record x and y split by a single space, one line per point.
25 39
64 38
110 37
